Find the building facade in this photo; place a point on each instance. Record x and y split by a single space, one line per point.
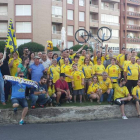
42 20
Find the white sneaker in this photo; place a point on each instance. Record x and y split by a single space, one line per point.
124 118
118 100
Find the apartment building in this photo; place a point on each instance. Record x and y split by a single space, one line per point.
42 20
130 24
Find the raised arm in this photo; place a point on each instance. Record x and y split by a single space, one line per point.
81 48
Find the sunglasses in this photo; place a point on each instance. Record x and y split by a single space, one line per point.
21 76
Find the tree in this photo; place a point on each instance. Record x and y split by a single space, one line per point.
32 46
2 45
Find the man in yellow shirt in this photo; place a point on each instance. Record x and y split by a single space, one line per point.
121 59
82 57
113 71
106 86
131 74
13 64
54 71
76 61
122 96
136 97
99 68
77 82
133 54
67 70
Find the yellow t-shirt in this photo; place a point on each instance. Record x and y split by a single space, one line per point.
77 79
120 92
120 59
105 85
81 60
67 69
88 71
54 72
136 91
93 88
51 91
13 69
78 65
132 71
102 60
72 56
126 63
99 69
113 72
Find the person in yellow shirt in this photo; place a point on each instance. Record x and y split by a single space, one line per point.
136 97
75 61
113 71
13 63
88 72
67 70
77 82
54 71
131 74
82 57
98 54
51 91
121 59
99 68
106 86
122 96
94 90
127 60
134 54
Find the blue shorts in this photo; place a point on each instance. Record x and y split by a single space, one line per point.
78 92
20 101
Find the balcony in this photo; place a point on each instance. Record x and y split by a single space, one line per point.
94 8
115 1
133 14
133 40
132 27
110 11
56 34
57 3
94 23
135 2
57 18
110 23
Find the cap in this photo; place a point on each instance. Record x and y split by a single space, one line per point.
37 57
62 74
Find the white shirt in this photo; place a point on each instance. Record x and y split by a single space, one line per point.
46 63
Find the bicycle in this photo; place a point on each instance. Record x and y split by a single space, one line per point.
103 34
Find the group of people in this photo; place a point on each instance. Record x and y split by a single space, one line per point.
63 78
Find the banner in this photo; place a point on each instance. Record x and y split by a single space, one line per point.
26 82
11 42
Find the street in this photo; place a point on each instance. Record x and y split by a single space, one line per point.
116 129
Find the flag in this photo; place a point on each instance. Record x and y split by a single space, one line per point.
11 42
50 45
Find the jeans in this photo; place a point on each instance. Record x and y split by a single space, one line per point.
7 86
2 94
109 96
40 99
20 101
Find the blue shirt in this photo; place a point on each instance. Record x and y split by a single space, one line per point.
18 91
36 72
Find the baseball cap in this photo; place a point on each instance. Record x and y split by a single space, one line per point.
62 74
37 57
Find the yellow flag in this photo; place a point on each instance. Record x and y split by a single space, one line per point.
11 42
50 45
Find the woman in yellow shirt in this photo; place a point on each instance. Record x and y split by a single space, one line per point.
94 90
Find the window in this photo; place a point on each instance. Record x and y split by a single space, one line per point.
81 16
131 22
81 2
53 29
115 33
131 9
70 30
70 1
23 27
70 44
3 10
22 41
3 27
70 14
56 10
56 41
23 10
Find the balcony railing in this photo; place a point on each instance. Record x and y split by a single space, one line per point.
136 14
57 0
56 32
110 23
93 20
95 6
3 13
57 16
134 1
133 40
110 9
133 27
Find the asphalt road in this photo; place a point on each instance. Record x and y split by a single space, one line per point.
89 130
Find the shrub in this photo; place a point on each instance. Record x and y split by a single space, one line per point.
2 45
32 46
138 54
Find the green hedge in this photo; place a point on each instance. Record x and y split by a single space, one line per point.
138 54
2 45
32 46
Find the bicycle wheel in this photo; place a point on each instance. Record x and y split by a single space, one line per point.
81 36
104 33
